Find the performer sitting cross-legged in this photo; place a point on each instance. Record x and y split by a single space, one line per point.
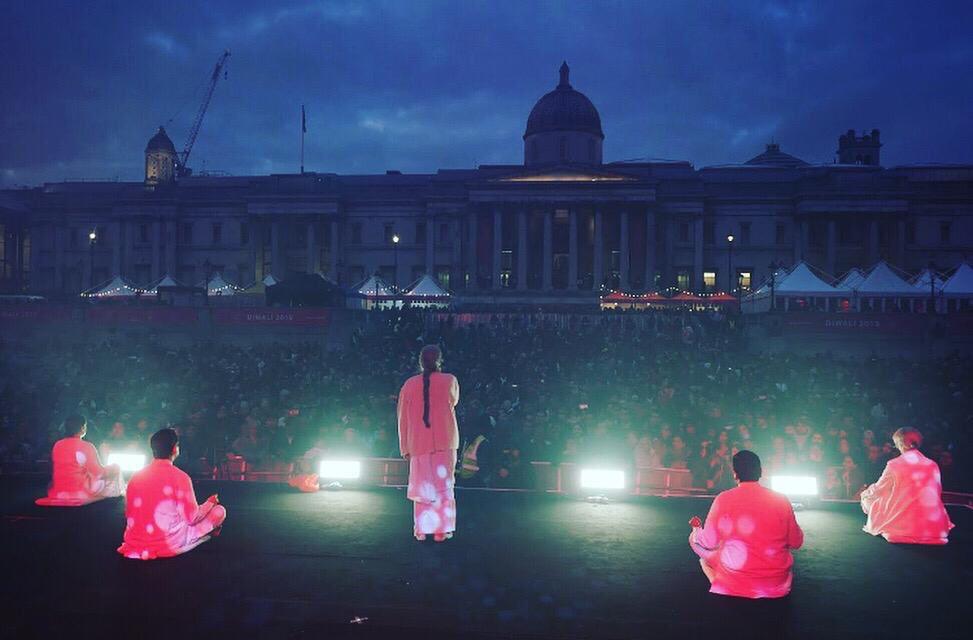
78 477
428 439
906 505
162 517
745 547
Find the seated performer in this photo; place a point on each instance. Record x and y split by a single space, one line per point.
162 517
745 547
906 504
78 477
428 439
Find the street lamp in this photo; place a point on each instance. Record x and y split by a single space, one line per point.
92 239
773 281
395 274
729 262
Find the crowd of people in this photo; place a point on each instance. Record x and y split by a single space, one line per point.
673 389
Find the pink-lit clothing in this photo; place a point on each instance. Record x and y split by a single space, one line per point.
442 434
745 544
431 482
906 504
78 477
162 516
431 451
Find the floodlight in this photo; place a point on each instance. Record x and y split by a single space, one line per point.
339 470
127 461
795 486
602 479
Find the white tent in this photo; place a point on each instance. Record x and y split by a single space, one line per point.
165 281
374 287
269 280
218 286
922 281
850 280
960 284
426 292
881 281
371 293
117 287
800 282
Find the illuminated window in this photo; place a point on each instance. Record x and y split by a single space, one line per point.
682 280
442 276
743 280
709 280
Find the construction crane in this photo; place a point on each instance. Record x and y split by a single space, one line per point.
182 168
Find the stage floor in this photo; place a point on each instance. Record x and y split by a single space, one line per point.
521 565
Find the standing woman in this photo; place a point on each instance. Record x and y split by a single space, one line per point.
428 439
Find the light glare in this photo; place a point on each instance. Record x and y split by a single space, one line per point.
602 479
795 485
340 469
127 461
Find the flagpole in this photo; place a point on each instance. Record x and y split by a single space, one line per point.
303 131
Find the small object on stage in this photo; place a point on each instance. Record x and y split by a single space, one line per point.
358 620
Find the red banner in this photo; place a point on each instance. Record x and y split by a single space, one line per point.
262 316
141 315
34 313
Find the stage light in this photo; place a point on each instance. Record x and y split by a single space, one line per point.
339 470
602 479
795 486
127 461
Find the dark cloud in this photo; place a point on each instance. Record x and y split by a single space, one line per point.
418 86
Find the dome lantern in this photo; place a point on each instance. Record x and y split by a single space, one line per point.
563 127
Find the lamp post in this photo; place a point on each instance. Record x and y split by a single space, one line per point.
729 263
92 239
932 287
773 282
395 274
207 269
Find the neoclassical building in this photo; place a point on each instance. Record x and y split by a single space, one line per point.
556 228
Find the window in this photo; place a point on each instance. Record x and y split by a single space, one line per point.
780 236
910 232
356 233
744 233
743 280
389 232
421 233
709 232
143 233
709 281
944 232
187 233
682 280
442 277
244 234
444 233
683 232
563 148
217 233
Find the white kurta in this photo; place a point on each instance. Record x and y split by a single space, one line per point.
906 504
78 478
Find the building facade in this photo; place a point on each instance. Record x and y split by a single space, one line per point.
560 227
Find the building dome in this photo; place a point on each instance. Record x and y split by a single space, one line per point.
160 142
564 109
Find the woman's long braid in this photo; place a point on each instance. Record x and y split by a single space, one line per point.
425 397
430 359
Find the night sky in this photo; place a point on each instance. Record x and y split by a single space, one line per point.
419 86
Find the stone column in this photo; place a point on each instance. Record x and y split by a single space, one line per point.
649 250
313 256
548 250
698 254
624 250
59 232
333 252
598 264
275 266
831 251
170 233
116 248
156 251
497 239
573 249
472 258
522 248
872 241
430 245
